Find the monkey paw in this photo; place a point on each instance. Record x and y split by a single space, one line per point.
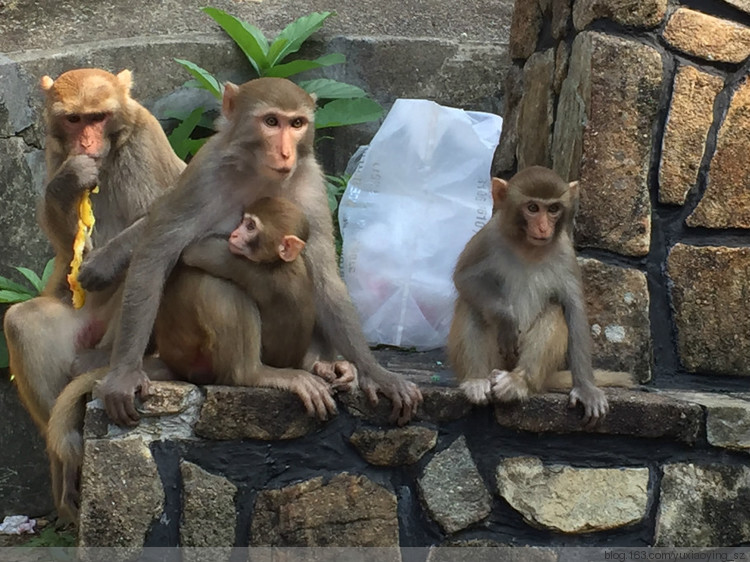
509 387
594 402
477 391
341 375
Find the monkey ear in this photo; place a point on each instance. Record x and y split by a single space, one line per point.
573 191
228 100
290 247
499 190
46 83
125 79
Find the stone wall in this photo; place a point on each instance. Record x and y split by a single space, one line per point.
646 103
235 467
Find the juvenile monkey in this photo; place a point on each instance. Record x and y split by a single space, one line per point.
520 310
96 134
264 148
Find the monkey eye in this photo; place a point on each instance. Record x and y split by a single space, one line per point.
271 120
98 117
250 223
73 118
532 207
298 122
554 208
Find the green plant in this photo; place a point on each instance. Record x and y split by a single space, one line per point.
335 186
53 537
12 292
339 104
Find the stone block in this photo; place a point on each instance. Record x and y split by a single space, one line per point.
703 506
253 413
617 302
394 447
743 5
708 37
453 490
573 500
727 417
631 13
536 111
620 107
561 12
525 27
504 159
639 414
726 202
208 514
348 511
688 122
709 286
121 495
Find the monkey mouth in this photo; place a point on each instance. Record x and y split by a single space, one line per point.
539 241
283 171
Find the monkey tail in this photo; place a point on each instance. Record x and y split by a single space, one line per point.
65 441
563 380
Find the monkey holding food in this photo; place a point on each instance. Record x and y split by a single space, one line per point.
520 310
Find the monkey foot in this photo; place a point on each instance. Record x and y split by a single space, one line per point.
477 391
341 375
509 387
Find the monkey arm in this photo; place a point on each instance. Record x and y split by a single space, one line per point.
484 291
102 266
212 256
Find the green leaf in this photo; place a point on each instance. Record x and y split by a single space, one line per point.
193 145
293 35
338 113
47 273
32 277
4 357
248 37
7 284
12 297
203 77
297 66
331 89
179 138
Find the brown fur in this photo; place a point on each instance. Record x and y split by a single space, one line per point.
132 163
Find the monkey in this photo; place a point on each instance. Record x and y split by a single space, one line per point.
520 309
264 147
96 134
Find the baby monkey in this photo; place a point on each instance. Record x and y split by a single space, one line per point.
520 310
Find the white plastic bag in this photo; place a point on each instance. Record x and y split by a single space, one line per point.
419 192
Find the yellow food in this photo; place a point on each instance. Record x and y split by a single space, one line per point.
85 226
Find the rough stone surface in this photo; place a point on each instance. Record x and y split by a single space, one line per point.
453 490
703 506
561 12
633 13
536 111
48 24
685 136
169 413
394 447
615 211
349 510
121 494
743 5
208 512
562 54
727 418
525 27
708 37
253 413
709 296
617 302
504 159
726 202
573 500
639 414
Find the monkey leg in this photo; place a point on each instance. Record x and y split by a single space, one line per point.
43 335
473 352
542 350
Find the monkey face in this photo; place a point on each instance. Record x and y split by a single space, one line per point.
540 219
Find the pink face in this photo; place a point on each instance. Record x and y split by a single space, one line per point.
86 133
541 219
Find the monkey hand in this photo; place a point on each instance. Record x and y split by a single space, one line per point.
118 389
99 269
595 405
76 175
340 375
315 395
404 395
477 391
509 387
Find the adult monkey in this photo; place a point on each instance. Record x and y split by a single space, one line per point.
264 148
520 309
96 135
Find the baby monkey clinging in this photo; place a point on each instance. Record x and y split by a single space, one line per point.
520 310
